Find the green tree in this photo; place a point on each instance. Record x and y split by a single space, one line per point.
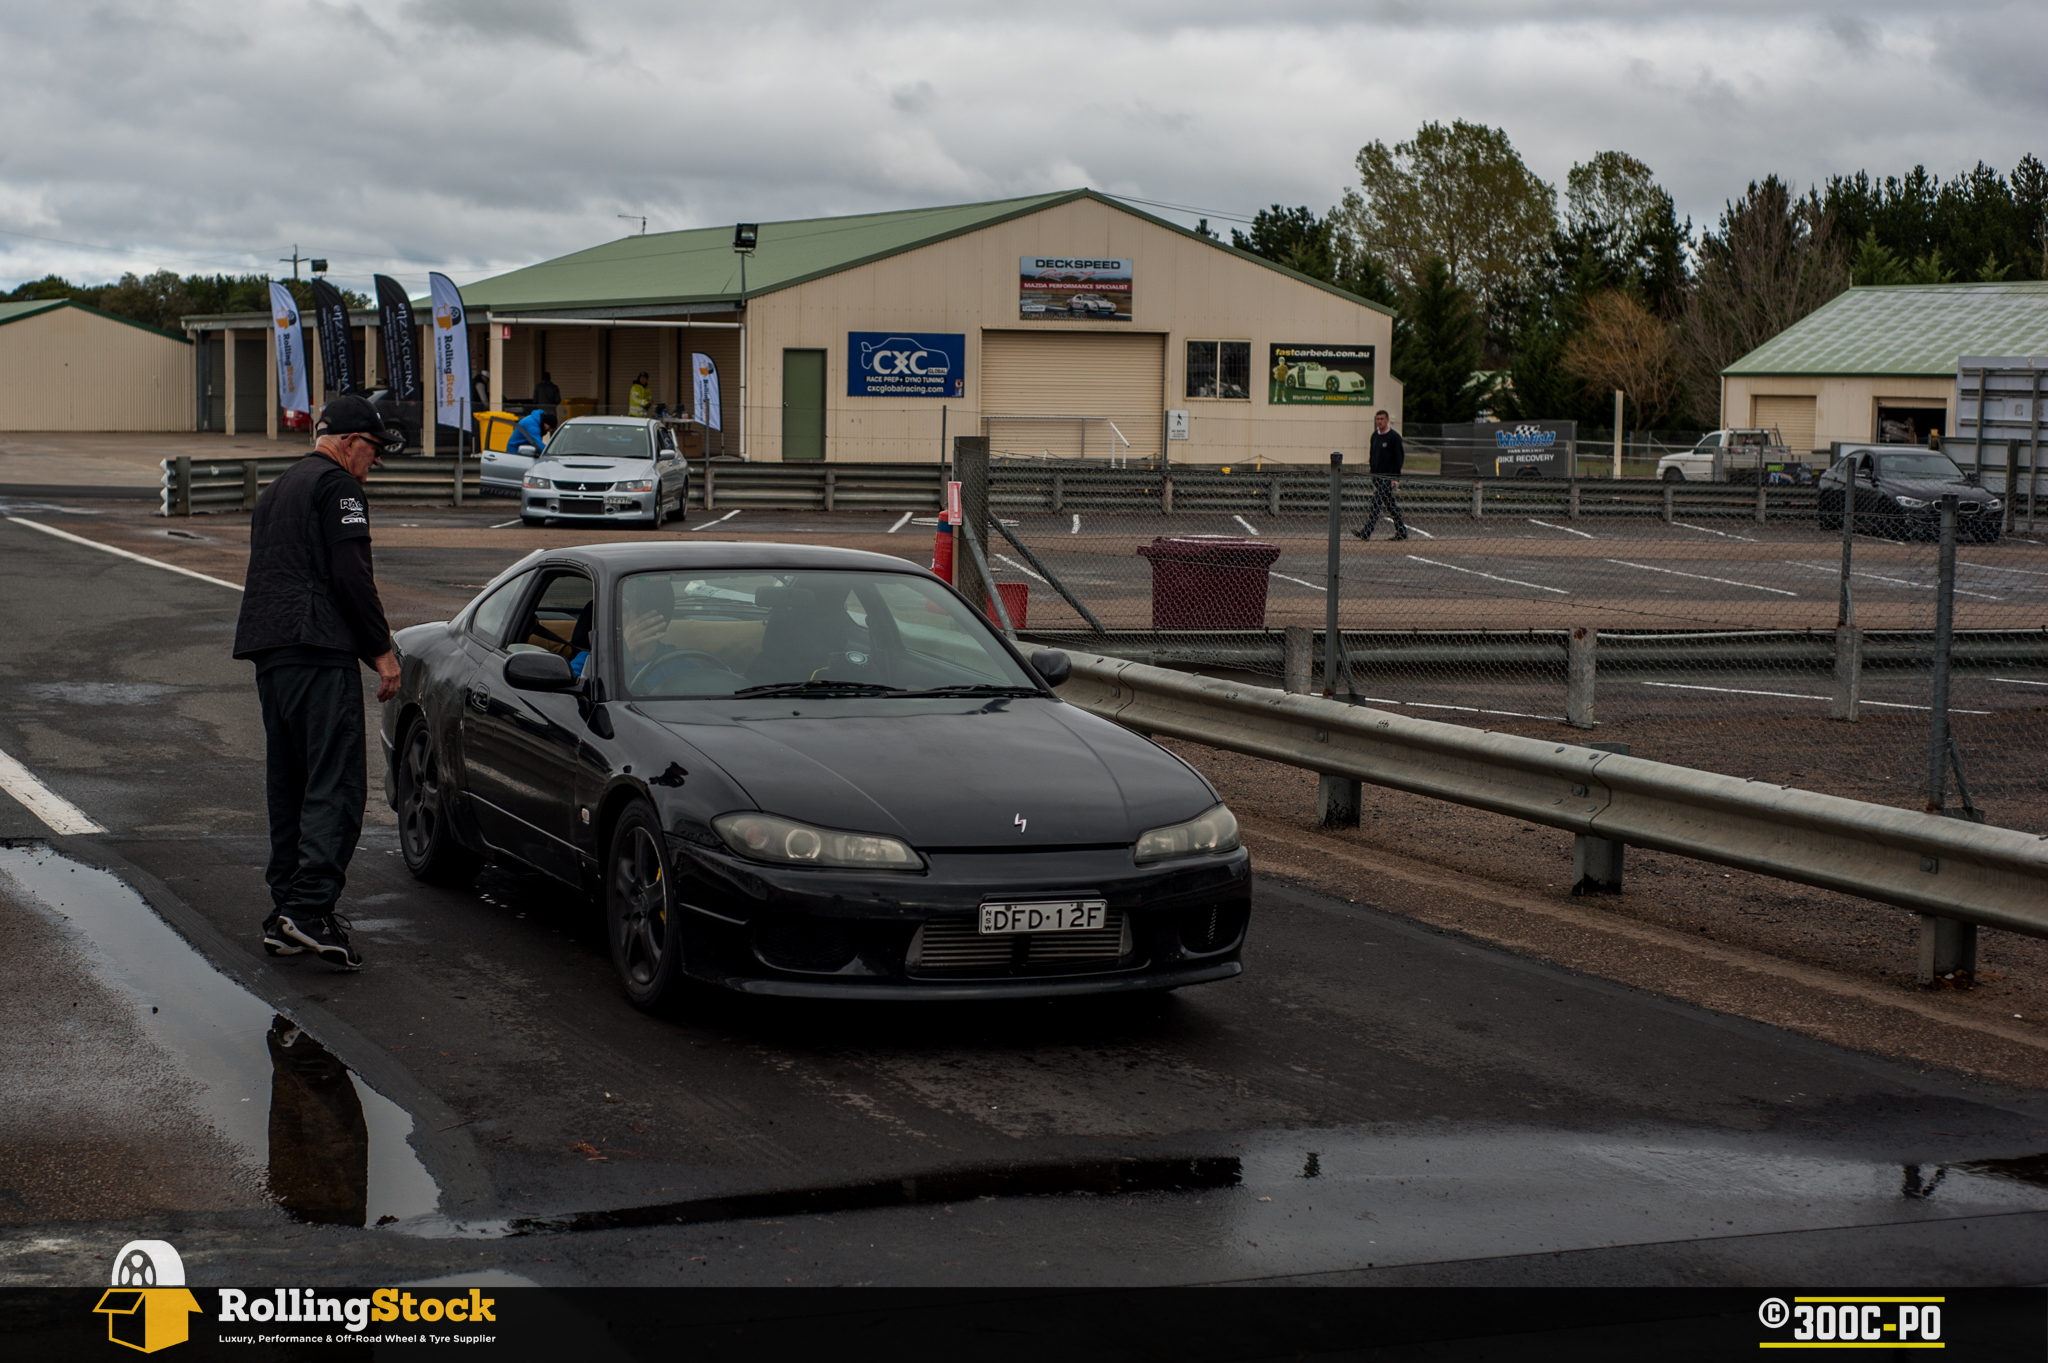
1438 357
1460 195
1618 217
1977 219
1293 237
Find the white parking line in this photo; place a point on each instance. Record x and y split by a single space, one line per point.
1246 524
1709 530
1310 585
123 553
1793 695
502 524
1489 576
1005 558
720 521
1415 529
1567 529
1895 581
901 523
1996 568
53 809
1701 577
2017 681
1077 524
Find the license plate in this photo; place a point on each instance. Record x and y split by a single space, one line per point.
1062 915
620 503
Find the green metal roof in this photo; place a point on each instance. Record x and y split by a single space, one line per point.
1907 329
15 312
699 266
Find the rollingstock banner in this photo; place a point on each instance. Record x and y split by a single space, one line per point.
902 364
451 354
337 357
1074 288
291 351
401 339
1315 375
704 392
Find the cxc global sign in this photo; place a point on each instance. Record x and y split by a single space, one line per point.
901 364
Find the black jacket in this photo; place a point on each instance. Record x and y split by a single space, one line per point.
309 587
1387 454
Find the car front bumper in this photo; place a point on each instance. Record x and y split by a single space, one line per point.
607 506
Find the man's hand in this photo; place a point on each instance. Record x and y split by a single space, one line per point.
387 676
1397 484
644 631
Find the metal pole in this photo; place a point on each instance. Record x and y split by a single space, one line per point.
1617 433
2034 446
1944 635
1977 459
1331 644
1848 639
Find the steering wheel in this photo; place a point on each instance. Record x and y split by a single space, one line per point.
664 668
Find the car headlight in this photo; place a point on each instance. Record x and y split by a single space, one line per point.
1215 830
1994 504
1911 503
635 485
763 837
539 484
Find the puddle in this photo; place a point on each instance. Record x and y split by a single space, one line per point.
100 693
336 1150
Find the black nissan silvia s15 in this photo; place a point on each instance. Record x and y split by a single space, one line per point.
795 770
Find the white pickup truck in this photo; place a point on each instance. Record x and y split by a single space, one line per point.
1734 455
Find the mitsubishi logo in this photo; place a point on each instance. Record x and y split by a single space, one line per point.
1021 822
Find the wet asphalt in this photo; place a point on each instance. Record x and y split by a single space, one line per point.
1370 1102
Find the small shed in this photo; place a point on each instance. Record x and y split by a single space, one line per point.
67 367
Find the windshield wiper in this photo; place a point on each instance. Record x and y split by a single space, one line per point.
818 685
976 689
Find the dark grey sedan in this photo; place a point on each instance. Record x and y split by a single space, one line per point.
1898 494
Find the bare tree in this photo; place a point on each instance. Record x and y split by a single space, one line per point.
1622 344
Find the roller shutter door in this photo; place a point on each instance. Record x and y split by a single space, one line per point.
1793 418
1059 393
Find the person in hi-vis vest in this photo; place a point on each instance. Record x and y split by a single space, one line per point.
636 396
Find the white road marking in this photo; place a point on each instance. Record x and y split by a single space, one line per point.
1895 581
1790 695
1472 710
1005 558
502 524
53 809
1489 576
1077 524
2017 681
1709 530
1567 529
1995 568
1701 577
1246 524
1310 585
901 523
1415 529
720 521
123 553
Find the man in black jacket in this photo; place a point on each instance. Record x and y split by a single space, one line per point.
310 613
1385 463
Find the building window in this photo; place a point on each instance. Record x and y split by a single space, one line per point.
1220 369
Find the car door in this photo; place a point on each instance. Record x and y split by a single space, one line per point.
520 747
672 471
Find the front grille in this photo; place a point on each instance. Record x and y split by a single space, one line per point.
582 487
956 944
814 944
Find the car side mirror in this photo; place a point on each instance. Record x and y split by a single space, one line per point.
539 672
1052 665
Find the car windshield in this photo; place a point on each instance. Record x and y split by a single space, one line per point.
769 632
1924 466
603 439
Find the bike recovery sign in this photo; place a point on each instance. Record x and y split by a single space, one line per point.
903 364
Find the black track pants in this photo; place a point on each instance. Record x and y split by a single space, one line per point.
1383 500
315 781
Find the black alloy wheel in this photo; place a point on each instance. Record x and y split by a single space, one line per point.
640 916
428 843
1674 474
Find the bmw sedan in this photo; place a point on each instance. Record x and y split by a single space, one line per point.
1899 490
804 771
607 468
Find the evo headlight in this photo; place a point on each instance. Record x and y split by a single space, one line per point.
636 485
1215 830
538 484
785 842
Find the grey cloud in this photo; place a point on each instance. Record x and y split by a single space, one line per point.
1858 35
500 21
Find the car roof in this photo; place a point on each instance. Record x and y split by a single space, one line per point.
619 558
606 421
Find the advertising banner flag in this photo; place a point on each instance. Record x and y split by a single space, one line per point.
401 338
330 319
899 364
291 351
451 354
1065 288
704 392
1315 375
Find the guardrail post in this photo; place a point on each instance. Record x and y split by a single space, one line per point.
249 479
831 487
1572 511
1273 495
1297 659
1166 495
1848 639
710 486
1596 862
1760 493
1476 495
1948 950
1337 800
1670 498
1581 645
181 500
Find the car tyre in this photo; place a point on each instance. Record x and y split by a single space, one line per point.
426 838
1674 474
535 521
640 911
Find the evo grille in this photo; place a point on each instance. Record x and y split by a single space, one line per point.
955 946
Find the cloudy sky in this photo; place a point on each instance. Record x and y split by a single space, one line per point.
476 135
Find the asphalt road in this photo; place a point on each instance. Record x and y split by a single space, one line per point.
1370 1102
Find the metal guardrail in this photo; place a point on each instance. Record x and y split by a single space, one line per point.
1948 868
192 486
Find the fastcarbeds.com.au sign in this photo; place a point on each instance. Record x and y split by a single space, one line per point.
905 364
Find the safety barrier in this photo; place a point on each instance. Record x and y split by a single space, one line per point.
194 487
1942 867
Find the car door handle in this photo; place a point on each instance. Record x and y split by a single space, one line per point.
480 698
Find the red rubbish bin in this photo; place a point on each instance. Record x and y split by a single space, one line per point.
1016 600
1207 583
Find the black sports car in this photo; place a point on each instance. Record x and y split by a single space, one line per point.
1899 490
795 770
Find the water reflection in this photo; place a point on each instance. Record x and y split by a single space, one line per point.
319 1142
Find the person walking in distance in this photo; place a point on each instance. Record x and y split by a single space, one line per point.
1385 464
310 614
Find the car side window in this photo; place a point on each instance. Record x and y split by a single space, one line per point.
488 624
558 621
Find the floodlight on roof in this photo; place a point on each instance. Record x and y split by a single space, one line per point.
746 236
319 266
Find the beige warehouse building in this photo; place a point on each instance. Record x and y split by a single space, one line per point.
68 367
1879 364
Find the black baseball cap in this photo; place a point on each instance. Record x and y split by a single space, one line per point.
352 415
